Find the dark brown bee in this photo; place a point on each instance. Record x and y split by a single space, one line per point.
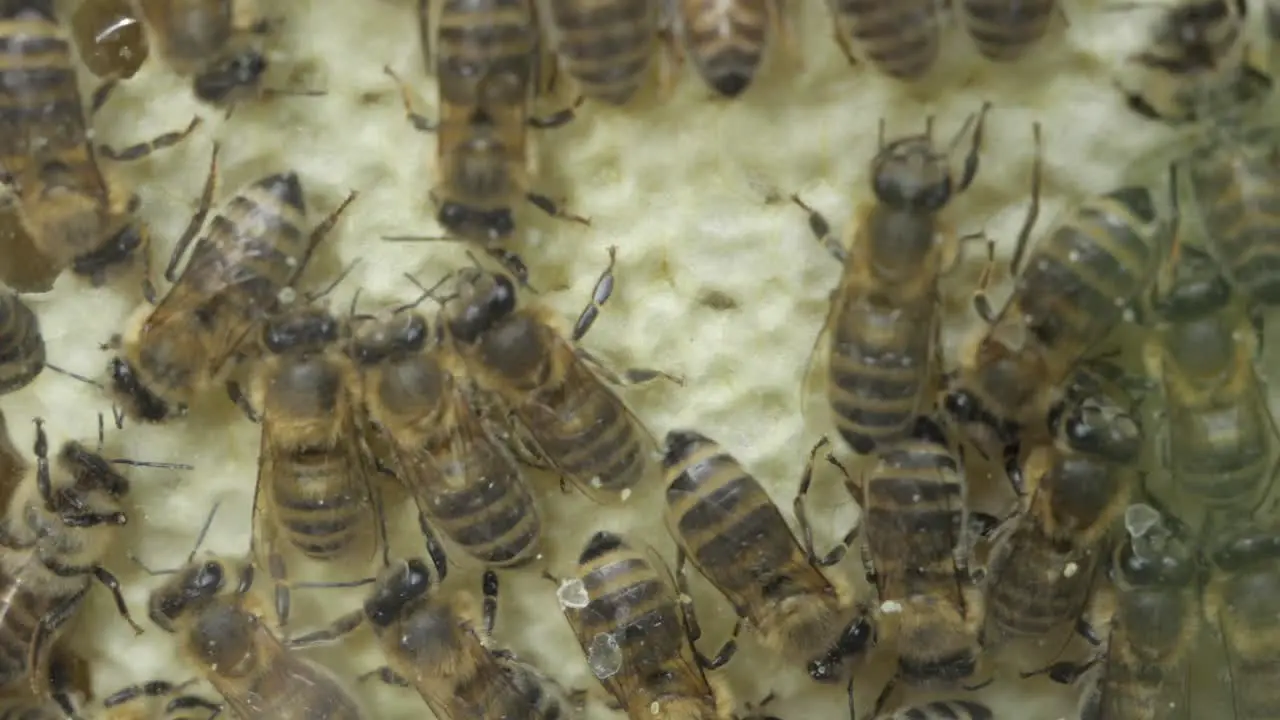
1041 572
901 38
725 524
1004 30
606 46
728 41
466 484
219 44
314 490
221 633
633 631
434 645
254 250
915 529
72 213
553 390
52 542
110 37
883 320
21 344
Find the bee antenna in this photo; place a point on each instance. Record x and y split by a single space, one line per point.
355 300
76 376
427 292
287 92
312 297
148 570
204 530
332 584
151 464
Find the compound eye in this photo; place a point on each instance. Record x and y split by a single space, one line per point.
452 215
503 300
209 577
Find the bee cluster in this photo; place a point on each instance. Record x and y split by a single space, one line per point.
1077 498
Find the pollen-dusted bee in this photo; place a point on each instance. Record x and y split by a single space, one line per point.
1242 603
638 636
1143 669
222 634
314 491
254 250
1219 442
884 316
916 548
606 46
21 344
110 37
1004 30
219 44
1197 64
1234 183
728 41
487 59
1045 559
73 214
553 390
1075 288
900 38
725 524
52 541
466 484
432 644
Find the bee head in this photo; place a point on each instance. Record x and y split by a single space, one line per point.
1171 565
231 77
1198 288
856 639
488 303
1246 546
192 588
307 331
680 445
400 586
403 334
1097 427
484 225
908 174
139 402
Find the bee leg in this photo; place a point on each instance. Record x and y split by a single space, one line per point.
110 582
101 94
549 206
1063 673
1033 207
869 567
340 627
1087 631
848 691
600 294
236 393
1013 469
883 698
821 230
725 654
143 149
193 702
558 118
385 675
419 122
434 549
983 524
276 569
837 553
197 219
691 626
44 485
489 591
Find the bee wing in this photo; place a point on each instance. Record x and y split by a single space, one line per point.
816 364
263 528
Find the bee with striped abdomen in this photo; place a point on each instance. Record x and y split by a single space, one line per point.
941 710
636 635
315 492
1075 287
74 214
21 344
884 316
1004 30
728 41
900 38
606 46
555 391
207 606
254 249
437 646
725 524
466 484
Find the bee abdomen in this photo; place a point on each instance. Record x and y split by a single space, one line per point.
727 44
872 405
501 39
945 710
602 447
494 521
606 48
1257 696
900 37
22 350
1004 29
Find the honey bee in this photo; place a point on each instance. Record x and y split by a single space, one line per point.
487 62
254 250
110 37
1240 603
900 38
606 46
1041 571
432 644
217 43
1003 30
21 344
1233 181
207 606
728 40
13 467
53 540
1197 64
941 710
1220 440
633 631
314 489
1077 285
883 317
73 213
1143 669
916 551
465 483
553 390
725 523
